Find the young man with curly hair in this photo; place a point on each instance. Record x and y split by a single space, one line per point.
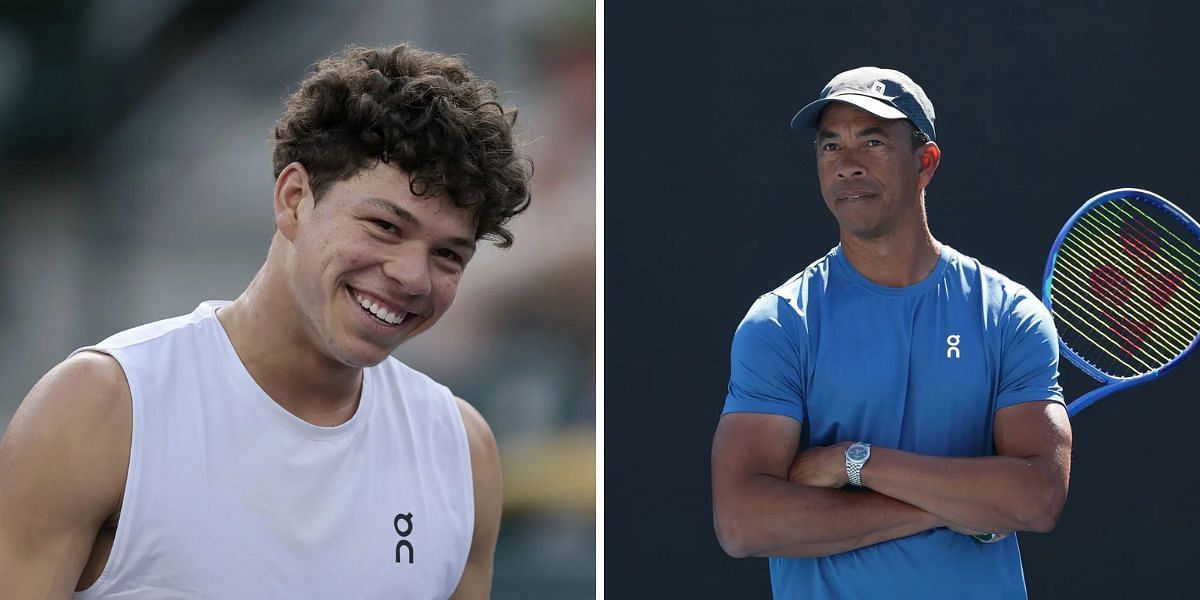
271 447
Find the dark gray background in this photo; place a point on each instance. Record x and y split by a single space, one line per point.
712 200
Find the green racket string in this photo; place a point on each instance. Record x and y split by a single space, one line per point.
1079 273
1124 289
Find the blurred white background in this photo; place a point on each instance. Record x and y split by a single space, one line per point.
137 182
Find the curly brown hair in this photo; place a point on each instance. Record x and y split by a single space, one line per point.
423 111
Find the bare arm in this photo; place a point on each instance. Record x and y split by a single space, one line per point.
758 512
63 464
1022 488
476 580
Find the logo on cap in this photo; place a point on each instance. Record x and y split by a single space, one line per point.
878 88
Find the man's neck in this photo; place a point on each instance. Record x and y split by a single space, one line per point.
269 336
895 260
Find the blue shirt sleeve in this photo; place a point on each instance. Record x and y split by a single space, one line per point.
1029 362
766 361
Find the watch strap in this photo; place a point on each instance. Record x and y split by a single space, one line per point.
854 473
854 467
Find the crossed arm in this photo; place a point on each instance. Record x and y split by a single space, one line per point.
770 501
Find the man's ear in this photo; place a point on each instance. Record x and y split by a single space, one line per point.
929 156
291 190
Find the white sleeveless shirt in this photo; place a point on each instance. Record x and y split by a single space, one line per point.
230 496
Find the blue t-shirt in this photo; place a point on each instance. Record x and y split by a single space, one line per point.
922 368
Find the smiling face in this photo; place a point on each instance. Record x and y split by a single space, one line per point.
370 265
871 177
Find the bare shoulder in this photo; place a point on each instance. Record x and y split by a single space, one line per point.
485 457
94 371
76 423
87 392
63 465
476 580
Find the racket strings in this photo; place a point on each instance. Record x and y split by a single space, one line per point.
1114 333
1190 251
1146 240
1140 256
1159 277
1124 287
1115 289
1127 311
1104 279
1104 289
1082 334
1116 301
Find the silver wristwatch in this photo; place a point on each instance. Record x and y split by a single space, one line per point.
856 456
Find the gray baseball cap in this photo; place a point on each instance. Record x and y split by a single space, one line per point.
885 93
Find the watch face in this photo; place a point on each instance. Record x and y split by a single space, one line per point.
857 452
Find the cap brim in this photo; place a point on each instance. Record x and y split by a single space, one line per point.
810 115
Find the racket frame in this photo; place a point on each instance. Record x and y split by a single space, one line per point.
1113 384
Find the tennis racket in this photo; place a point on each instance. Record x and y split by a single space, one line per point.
1123 284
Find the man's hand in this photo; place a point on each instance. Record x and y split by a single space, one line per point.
972 532
820 466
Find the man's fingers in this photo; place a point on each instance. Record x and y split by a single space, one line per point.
989 538
983 537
